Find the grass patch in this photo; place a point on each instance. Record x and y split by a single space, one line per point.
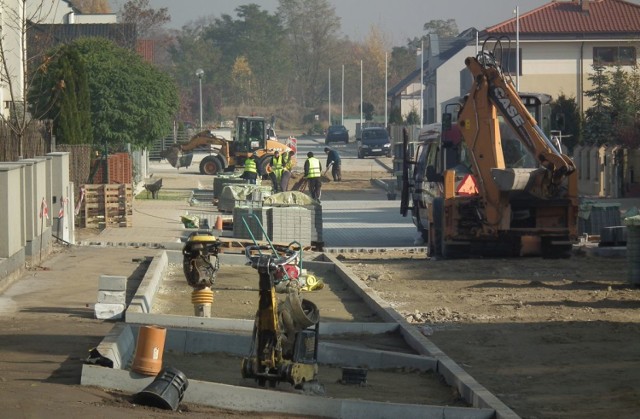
166 195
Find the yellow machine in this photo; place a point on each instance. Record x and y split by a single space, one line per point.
200 262
285 334
252 135
492 184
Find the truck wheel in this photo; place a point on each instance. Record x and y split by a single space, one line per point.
555 251
262 166
210 165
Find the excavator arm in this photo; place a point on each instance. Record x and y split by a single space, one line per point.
492 94
205 138
221 145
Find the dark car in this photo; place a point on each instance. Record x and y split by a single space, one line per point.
337 134
375 142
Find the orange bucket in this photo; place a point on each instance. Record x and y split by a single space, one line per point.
149 350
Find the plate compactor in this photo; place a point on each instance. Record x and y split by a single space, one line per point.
285 334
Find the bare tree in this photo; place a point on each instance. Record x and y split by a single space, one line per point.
17 67
92 6
146 19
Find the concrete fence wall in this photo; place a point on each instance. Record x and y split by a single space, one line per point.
27 187
606 171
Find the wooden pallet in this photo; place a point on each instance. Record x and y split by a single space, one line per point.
107 206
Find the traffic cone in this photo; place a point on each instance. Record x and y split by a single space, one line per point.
219 223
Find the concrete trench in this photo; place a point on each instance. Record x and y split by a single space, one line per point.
196 335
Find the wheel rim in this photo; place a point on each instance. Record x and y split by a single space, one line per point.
210 168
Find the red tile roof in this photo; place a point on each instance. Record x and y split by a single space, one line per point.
575 16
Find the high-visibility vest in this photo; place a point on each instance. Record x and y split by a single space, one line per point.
250 165
314 168
288 162
276 164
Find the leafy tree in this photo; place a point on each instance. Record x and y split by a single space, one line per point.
630 135
311 27
565 117
374 56
367 110
131 101
68 103
395 116
441 27
598 121
189 52
242 77
413 118
258 38
403 62
622 112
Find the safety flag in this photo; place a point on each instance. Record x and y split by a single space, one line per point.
44 209
79 205
63 201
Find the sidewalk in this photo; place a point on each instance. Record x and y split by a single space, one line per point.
363 220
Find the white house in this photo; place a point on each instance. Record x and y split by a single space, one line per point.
15 17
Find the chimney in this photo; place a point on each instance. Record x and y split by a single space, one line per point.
584 4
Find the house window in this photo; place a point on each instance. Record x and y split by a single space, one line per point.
614 55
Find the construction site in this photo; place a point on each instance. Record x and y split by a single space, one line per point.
395 332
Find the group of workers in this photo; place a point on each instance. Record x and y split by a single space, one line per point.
280 167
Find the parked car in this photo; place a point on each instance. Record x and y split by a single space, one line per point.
337 133
375 142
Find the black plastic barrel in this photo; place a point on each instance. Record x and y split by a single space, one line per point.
166 391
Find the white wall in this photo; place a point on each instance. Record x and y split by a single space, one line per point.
453 80
562 67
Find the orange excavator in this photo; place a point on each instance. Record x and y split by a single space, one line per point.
252 136
500 187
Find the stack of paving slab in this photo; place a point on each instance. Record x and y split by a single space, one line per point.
249 223
316 223
282 224
112 297
242 195
287 224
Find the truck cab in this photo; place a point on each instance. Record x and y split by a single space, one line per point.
438 149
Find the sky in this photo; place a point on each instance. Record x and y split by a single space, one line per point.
398 19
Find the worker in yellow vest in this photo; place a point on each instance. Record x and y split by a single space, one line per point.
275 170
250 173
312 172
289 161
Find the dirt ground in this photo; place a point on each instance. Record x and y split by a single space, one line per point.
236 296
551 338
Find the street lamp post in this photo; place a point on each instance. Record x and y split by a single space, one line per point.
200 73
517 12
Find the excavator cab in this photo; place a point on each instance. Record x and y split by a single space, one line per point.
254 135
250 134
